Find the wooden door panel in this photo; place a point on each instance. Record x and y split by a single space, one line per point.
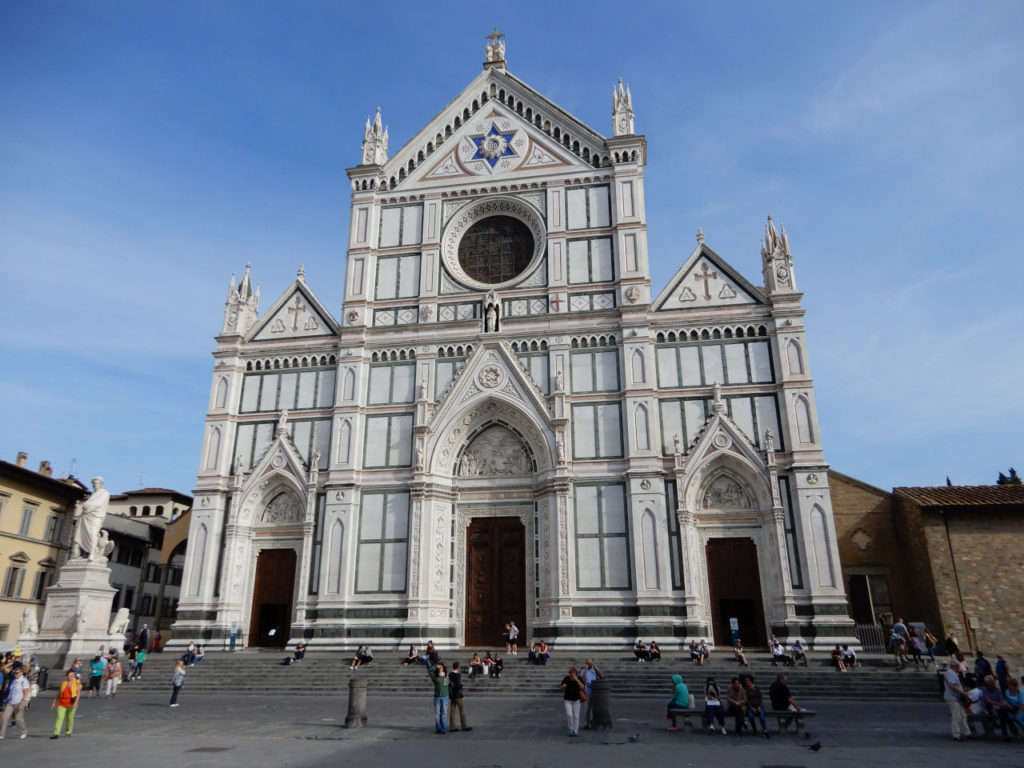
495 578
272 595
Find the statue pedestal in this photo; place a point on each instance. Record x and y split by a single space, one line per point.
77 615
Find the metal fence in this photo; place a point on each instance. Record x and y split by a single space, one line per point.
871 636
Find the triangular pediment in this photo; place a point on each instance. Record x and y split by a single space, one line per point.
497 127
706 280
721 435
297 314
280 458
492 371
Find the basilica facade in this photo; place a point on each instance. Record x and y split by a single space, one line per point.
506 422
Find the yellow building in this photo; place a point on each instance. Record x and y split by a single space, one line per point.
36 519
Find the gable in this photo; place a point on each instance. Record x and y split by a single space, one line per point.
496 143
498 125
706 280
296 314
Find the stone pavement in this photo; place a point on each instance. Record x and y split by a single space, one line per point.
139 730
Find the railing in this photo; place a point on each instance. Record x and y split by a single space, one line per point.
871 636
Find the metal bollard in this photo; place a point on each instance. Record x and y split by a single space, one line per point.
600 712
356 717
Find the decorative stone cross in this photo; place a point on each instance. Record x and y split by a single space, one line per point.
556 302
297 308
706 275
495 48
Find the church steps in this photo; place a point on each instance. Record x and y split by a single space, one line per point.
321 672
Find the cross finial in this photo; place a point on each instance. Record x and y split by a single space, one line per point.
302 272
700 236
495 47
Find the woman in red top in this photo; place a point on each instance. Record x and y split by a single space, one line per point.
66 703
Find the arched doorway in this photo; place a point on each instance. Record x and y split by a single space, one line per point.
734 583
495 578
272 595
496 470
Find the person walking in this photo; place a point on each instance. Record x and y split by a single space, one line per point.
178 681
19 693
442 703
66 703
456 696
590 674
956 698
573 687
140 659
113 677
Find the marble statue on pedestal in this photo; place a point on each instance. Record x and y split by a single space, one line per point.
89 516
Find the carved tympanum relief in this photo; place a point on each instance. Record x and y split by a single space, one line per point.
281 510
497 451
724 493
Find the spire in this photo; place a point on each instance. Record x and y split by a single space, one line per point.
242 306
777 260
375 142
494 53
245 287
622 110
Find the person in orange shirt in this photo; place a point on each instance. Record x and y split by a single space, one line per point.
66 703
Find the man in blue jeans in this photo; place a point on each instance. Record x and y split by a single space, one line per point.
439 676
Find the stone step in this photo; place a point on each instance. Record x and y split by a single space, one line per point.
258 672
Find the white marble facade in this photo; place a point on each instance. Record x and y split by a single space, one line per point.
625 430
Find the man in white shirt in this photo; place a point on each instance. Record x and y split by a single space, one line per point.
956 697
18 696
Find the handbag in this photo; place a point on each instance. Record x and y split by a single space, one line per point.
583 694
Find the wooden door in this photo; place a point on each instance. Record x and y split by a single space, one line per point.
495 580
735 583
272 598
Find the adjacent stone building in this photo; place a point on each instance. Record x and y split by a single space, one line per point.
506 421
947 556
36 520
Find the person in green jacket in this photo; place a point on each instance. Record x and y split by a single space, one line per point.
439 676
680 700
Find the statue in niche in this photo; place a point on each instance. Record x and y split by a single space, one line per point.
559 383
560 449
492 318
282 422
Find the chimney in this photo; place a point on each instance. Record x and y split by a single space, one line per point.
22 458
45 469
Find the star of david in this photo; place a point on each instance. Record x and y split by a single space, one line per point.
493 146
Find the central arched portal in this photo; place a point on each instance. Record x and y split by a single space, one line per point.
495 578
495 473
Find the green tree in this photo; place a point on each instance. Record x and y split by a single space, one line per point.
1012 479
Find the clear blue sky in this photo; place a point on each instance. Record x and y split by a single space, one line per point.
148 150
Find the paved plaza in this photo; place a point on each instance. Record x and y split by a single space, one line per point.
283 729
